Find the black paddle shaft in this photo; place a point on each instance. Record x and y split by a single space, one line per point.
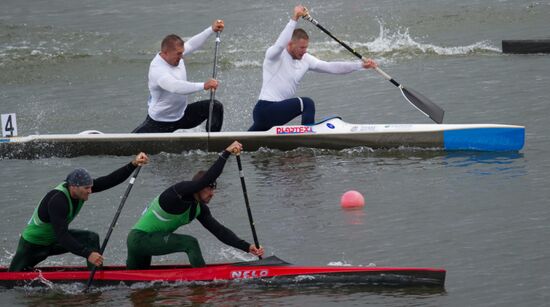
213 92
248 211
113 223
357 54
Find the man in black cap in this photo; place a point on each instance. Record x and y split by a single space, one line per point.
47 232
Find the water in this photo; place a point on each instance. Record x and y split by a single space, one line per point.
68 66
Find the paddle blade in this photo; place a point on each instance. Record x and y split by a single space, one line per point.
424 104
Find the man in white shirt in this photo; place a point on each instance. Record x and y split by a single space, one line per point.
284 65
168 86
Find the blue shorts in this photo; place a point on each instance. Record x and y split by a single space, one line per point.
267 114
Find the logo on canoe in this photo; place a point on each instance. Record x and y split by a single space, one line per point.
249 274
294 130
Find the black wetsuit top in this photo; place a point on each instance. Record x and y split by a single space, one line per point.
180 197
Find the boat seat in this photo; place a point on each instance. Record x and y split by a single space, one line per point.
91 132
325 119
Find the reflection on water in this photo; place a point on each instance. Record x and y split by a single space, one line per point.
293 169
300 166
510 164
354 216
236 294
219 294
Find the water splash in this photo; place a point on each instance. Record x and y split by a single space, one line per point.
24 44
230 254
400 43
30 45
338 263
247 63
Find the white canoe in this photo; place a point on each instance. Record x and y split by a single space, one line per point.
332 133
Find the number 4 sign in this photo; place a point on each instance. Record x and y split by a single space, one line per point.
9 125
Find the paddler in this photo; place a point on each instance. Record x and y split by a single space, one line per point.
284 65
168 108
47 232
179 205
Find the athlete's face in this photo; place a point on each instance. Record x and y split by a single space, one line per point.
206 194
172 55
80 193
297 48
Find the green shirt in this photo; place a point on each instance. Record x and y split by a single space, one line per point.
155 219
42 233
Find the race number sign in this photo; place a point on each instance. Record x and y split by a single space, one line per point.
9 125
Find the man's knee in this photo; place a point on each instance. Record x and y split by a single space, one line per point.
93 237
192 243
308 103
217 117
218 106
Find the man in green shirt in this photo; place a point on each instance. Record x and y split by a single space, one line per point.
179 205
47 233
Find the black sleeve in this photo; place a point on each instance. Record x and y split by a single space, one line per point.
189 187
174 203
113 179
58 209
221 232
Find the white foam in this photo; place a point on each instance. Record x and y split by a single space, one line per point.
401 42
338 263
247 63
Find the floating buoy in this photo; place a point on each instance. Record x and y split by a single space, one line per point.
352 199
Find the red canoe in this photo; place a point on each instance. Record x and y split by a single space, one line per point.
269 270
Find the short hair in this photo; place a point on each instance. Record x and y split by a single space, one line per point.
299 34
201 174
170 42
198 175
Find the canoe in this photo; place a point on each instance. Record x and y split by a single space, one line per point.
331 133
270 270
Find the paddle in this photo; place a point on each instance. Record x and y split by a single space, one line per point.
419 101
113 223
212 91
250 220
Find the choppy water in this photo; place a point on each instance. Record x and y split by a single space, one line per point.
68 66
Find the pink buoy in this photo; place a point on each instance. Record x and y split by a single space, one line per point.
352 199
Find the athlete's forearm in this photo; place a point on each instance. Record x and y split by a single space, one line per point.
281 42
183 87
113 179
197 41
337 67
221 232
190 187
58 221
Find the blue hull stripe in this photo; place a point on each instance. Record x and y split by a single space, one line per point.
485 139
